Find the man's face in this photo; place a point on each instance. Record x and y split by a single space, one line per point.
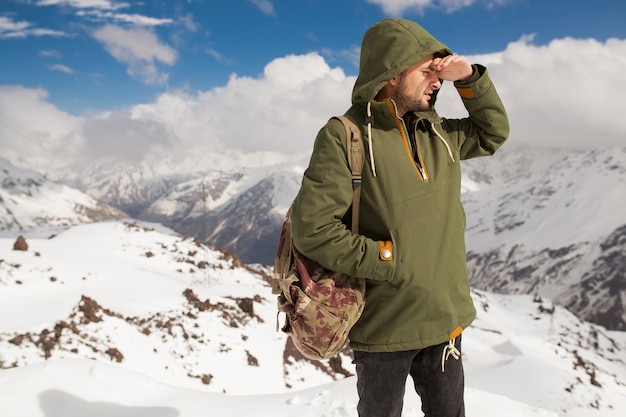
415 86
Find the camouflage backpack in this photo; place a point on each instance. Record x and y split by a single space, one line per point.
321 306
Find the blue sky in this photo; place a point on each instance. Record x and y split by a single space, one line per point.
89 79
68 46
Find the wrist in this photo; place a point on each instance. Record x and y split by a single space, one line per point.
468 76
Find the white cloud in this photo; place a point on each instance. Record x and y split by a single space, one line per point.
106 10
400 7
280 111
133 19
34 132
119 136
10 29
188 22
265 6
50 53
94 10
352 54
218 56
566 94
454 5
140 50
81 4
61 68
8 25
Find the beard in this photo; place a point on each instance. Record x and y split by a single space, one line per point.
409 99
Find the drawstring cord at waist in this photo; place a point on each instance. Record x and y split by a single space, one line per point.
449 350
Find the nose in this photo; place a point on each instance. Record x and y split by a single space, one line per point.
436 83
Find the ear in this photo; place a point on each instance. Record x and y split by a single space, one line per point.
394 81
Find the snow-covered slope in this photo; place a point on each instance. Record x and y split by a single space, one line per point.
148 298
79 388
530 350
174 327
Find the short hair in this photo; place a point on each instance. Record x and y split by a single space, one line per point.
442 53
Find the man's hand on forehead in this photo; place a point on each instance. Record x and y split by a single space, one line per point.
452 68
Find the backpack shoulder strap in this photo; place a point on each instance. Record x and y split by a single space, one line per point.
283 258
356 159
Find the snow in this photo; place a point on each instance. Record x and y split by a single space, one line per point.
78 388
574 199
522 356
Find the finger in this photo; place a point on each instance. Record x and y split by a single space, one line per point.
434 65
448 60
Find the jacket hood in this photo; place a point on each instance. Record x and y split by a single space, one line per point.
389 47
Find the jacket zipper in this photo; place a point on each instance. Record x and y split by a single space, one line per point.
417 160
417 155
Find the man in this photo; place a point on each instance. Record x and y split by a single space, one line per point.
410 247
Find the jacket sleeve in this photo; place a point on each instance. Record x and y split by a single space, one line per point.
324 199
487 126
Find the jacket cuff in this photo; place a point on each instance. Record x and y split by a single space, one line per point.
466 88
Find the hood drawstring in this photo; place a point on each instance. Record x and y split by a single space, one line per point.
369 120
432 126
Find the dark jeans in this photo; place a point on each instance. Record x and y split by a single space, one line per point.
381 381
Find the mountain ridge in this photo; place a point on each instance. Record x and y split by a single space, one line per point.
542 222
28 200
557 233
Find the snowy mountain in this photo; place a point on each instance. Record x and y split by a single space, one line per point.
540 222
248 223
130 318
557 232
28 201
234 201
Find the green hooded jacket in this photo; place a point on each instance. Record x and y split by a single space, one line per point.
410 198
